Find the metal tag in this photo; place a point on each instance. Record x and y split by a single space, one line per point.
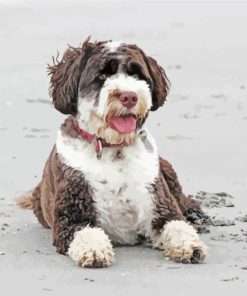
97 146
146 142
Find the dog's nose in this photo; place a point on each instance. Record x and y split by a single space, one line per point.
128 99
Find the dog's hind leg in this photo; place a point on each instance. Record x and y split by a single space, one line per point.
37 208
187 205
175 188
31 201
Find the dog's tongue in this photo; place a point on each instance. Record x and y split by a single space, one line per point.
123 125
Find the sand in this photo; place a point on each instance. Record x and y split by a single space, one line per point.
201 130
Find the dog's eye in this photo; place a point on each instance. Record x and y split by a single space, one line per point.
110 68
136 76
135 71
102 77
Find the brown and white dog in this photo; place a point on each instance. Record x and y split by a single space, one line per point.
104 182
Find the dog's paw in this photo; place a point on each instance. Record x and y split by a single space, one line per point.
187 253
91 247
181 243
92 259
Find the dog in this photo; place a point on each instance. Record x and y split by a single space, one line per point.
104 183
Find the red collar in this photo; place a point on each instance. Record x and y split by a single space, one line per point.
97 142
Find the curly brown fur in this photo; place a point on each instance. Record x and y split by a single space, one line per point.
184 202
187 204
65 76
167 208
74 207
63 202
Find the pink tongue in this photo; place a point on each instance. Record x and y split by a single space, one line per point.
123 125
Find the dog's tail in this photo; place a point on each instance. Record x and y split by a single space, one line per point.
25 201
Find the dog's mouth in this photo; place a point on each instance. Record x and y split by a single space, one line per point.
124 124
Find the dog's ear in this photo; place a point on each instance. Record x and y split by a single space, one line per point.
65 76
161 84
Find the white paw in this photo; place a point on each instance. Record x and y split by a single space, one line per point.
91 247
181 243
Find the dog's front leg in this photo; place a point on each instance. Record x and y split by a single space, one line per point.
86 246
177 238
180 243
76 232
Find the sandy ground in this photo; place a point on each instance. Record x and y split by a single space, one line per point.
201 130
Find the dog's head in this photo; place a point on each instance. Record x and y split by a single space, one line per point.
109 87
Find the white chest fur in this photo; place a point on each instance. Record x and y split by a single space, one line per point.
123 199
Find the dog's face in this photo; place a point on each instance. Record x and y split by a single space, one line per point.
109 87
